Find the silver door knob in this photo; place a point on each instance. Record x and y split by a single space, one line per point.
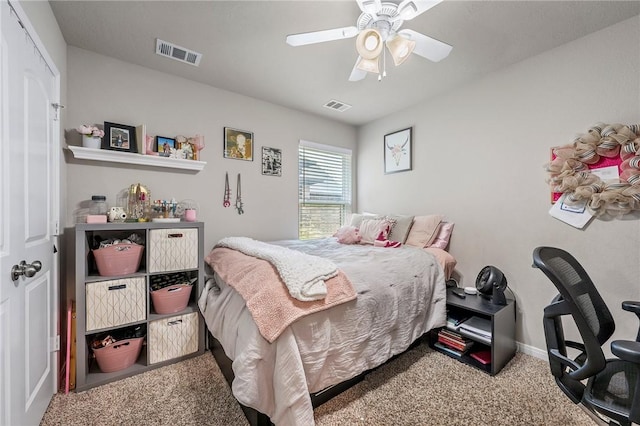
26 269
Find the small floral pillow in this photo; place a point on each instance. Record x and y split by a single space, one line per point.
348 235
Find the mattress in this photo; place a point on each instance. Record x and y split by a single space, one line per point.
401 294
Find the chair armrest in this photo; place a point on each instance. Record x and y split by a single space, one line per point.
626 350
634 307
629 351
631 306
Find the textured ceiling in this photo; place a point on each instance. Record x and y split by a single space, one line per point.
244 49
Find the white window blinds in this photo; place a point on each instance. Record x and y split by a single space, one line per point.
324 189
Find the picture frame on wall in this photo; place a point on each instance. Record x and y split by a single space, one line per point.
163 145
397 151
119 137
238 144
271 161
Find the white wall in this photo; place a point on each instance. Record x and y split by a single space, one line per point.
104 89
478 158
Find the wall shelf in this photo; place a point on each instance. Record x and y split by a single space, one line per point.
132 158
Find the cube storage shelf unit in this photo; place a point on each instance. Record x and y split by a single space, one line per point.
503 330
169 337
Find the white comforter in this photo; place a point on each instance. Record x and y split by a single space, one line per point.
401 295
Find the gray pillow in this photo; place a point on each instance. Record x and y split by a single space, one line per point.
401 229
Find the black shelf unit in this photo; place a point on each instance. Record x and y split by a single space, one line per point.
503 329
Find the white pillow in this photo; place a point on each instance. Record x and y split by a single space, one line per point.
370 229
357 218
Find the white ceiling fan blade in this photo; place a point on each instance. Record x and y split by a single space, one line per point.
427 47
321 36
356 73
372 7
409 9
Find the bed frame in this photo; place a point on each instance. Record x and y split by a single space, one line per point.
257 418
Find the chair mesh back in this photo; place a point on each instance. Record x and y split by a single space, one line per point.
576 287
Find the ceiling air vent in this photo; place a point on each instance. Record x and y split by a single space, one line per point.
178 53
337 105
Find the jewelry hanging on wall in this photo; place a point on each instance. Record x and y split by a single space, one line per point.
239 198
227 192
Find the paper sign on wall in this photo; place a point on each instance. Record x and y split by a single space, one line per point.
576 215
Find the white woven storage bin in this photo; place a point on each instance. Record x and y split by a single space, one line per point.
173 337
173 249
115 302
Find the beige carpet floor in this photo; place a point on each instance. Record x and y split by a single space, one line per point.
421 387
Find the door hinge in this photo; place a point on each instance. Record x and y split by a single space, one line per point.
56 343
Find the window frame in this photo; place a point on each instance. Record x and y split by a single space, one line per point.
342 205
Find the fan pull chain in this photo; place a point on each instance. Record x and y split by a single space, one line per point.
384 65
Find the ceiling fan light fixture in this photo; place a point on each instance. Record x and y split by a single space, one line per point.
400 49
369 43
368 65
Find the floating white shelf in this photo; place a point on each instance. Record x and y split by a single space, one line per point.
132 158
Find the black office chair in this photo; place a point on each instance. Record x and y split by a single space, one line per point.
612 385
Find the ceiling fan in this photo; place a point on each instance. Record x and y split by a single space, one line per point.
379 24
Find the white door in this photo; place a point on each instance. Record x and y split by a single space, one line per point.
28 170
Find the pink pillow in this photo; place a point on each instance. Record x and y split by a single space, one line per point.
424 230
444 234
348 235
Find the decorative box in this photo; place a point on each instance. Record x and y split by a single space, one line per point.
119 355
173 249
173 337
171 299
115 302
118 259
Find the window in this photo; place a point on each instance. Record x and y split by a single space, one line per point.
324 189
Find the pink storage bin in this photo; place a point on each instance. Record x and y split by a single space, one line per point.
119 355
118 259
171 299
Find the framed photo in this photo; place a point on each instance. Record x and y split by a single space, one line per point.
119 137
397 151
164 145
271 161
238 144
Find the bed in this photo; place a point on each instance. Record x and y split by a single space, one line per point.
400 295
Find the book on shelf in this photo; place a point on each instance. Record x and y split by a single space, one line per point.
454 345
477 328
448 350
455 319
454 340
484 357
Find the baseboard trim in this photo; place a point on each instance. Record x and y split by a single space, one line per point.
533 351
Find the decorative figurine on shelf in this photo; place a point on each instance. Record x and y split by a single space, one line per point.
149 146
198 145
190 147
117 214
138 203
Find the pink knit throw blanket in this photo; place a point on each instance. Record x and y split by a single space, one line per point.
267 298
